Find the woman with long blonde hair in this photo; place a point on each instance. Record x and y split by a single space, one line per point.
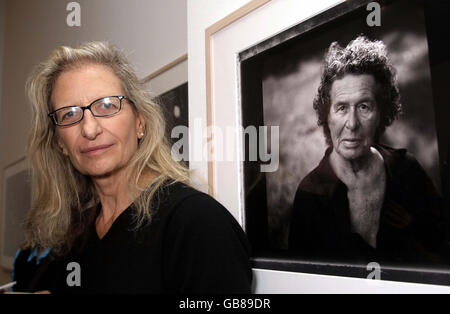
107 193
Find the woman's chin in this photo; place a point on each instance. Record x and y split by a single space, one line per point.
101 168
98 172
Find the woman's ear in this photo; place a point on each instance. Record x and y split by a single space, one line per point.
140 125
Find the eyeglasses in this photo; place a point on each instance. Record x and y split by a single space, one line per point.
102 107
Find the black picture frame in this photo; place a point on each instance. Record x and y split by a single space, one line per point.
340 20
175 107
174 104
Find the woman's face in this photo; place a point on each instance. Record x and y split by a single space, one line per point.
354 115
96 146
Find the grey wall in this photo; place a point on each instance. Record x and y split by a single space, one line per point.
2 35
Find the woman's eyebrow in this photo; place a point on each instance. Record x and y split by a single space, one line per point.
366 99
339 102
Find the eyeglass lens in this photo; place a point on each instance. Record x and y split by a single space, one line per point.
103 107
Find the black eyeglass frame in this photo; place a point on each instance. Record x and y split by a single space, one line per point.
52 114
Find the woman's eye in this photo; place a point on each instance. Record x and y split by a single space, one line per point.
364 107
67 115
109 106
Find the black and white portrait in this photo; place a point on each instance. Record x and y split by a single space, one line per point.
365 201
362 151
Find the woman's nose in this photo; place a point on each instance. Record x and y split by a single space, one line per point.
90 127
352 122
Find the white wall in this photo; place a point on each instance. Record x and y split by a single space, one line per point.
204 13
151 32
201 14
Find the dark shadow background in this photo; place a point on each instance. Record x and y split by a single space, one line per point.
174 104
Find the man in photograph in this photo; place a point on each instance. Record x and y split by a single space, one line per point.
365 201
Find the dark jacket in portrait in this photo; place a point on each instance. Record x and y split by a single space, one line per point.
412 228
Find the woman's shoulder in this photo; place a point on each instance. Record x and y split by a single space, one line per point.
185 204
205 249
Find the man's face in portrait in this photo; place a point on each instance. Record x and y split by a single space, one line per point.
354 115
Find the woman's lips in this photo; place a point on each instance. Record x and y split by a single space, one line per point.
95 149
351 143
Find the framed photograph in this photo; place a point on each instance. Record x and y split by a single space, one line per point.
296 217
17 196
277 71
170 86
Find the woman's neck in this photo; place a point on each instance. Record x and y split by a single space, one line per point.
116 193
357 168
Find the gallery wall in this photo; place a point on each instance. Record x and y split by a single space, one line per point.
200 15
4 276
151 33
2 35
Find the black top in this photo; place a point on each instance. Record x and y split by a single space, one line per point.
412 221
33 273
192 245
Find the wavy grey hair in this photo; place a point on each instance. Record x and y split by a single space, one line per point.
360 56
